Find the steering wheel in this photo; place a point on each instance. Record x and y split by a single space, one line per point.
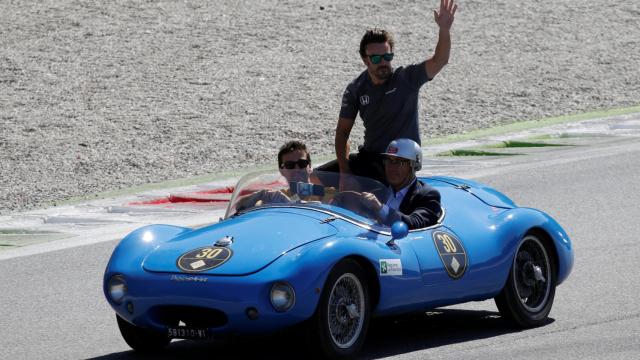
352 200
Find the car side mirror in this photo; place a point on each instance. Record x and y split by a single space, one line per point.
399 230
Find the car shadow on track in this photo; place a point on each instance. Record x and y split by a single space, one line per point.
436 328
386 337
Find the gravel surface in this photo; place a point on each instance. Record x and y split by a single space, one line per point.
99 96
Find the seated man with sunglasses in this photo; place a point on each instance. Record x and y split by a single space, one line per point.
294 162
408 199
386 99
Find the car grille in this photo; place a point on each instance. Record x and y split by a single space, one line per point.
197 317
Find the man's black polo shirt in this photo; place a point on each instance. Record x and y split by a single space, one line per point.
389 110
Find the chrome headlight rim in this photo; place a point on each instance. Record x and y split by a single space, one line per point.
117 288
275 296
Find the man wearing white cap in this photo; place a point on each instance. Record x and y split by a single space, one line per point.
408 199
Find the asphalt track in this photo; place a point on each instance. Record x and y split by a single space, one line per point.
53 308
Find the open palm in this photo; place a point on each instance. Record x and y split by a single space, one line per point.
444 17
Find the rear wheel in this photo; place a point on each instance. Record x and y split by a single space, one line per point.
527 297
142 340
340 323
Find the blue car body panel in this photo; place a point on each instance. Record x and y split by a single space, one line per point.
301 245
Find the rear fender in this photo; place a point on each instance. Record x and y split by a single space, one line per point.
513 225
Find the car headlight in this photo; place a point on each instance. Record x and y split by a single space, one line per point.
117 288
282 296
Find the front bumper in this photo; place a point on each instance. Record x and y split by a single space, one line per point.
221 304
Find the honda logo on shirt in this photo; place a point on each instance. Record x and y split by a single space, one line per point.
364 99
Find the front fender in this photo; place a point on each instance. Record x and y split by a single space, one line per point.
132 249
308 267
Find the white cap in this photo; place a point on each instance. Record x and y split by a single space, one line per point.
406 149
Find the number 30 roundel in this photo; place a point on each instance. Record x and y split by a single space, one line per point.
205 258
452 253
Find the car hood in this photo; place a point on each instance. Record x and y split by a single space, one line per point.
258 238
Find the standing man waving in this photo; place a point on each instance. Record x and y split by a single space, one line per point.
386 98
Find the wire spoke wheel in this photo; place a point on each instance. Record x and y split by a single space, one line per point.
346 302
339 325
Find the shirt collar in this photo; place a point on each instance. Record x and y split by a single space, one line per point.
402 191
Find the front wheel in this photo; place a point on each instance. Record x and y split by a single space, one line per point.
340 323
142 340
527 297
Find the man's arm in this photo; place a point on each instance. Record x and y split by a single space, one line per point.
426 212
261 197
249 201
342 143
444 19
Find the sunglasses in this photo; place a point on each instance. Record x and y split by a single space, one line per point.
396 161
302 163
376 59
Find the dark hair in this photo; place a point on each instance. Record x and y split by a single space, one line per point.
375 35
291 146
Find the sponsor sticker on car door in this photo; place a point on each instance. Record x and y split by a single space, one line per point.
390 267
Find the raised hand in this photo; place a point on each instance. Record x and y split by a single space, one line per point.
444 17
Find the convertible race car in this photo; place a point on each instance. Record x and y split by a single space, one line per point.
315 257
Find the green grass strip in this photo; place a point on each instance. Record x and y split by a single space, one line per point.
25 232
530 124
472 152
518 144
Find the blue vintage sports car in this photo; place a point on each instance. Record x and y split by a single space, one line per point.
304 254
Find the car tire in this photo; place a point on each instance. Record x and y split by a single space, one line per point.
339 325
141 340
527 297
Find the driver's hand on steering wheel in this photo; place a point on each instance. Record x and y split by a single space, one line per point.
275 197
370 201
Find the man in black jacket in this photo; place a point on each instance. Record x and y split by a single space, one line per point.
408 199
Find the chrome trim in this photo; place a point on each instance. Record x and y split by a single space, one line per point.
342 217
224 241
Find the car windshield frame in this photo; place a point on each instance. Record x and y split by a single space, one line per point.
320 183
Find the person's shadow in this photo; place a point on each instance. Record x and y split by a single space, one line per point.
386 337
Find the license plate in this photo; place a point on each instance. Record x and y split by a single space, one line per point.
183 332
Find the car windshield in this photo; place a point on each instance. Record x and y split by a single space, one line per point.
317 190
